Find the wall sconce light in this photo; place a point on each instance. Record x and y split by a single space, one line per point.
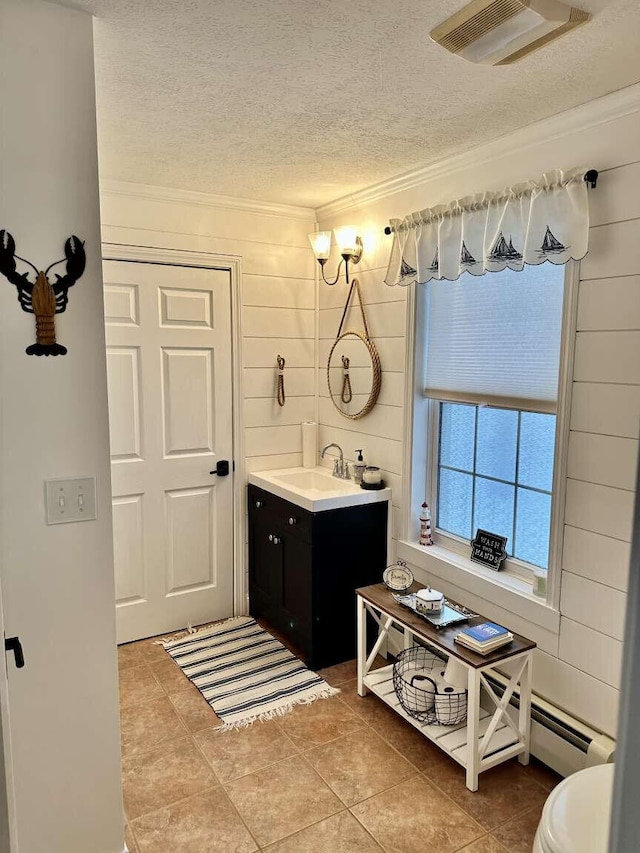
349 246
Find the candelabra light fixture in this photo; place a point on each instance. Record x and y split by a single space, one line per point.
349 245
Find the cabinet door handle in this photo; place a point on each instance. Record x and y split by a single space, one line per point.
276 541
259 504
271 537
293 520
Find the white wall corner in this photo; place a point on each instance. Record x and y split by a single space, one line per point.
57 582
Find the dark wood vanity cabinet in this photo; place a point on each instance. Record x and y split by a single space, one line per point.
304 569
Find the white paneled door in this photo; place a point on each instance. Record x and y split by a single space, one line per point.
170 410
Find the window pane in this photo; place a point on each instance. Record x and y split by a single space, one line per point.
454 502
457 429
532 527
497 435
537 439
486 496
493 508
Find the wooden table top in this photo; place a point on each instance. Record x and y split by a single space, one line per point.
379 596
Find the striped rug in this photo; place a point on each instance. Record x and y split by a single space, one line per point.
244 673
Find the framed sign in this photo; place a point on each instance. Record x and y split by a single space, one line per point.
489 549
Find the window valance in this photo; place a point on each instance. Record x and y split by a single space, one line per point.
546 220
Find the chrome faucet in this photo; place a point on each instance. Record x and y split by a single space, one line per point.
340 470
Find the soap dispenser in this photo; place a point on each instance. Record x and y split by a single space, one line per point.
358 468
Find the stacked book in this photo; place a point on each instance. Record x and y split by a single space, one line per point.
484 638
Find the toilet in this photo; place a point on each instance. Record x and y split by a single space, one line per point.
575 818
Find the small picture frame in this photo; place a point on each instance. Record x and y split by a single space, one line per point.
489 549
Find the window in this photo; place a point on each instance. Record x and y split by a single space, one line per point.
489 348
495 471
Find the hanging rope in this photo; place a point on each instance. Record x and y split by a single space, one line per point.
346 396
281 396
354 289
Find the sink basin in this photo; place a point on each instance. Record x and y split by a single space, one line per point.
315 489
313 480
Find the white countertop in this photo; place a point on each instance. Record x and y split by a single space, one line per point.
315 489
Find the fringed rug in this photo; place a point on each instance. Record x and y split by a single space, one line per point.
244 673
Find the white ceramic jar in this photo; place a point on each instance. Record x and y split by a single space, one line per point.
429 601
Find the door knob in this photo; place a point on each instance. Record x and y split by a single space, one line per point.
13 644
222 468
293 520
276 541
271 537
259 504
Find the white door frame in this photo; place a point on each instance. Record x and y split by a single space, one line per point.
6 755
5 745
233 264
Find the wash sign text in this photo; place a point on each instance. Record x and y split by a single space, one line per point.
489 549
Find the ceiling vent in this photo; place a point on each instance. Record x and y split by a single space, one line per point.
499 32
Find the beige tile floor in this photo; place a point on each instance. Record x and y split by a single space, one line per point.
343 775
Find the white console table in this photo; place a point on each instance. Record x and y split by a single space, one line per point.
487 738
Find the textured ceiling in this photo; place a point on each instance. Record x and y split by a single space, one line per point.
304 101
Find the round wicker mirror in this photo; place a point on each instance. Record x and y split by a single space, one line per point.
354 374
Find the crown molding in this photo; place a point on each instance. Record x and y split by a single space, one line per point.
583 117
125 189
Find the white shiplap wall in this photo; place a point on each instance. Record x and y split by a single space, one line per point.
278 295
605 428
579 667
380 432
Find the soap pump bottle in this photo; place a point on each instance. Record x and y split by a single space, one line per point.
358 468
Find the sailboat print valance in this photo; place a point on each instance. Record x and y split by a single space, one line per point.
546 220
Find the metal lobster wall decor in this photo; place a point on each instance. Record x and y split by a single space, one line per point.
43 298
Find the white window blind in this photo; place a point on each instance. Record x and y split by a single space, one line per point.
495 339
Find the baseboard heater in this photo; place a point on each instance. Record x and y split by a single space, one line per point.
561 741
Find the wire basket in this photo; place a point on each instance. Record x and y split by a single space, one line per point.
418 681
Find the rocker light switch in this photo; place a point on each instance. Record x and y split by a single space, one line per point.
70 500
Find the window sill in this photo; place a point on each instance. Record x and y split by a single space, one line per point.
509 592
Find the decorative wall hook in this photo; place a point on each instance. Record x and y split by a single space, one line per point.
280 395
42 298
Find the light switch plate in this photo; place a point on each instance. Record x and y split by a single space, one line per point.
70 500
